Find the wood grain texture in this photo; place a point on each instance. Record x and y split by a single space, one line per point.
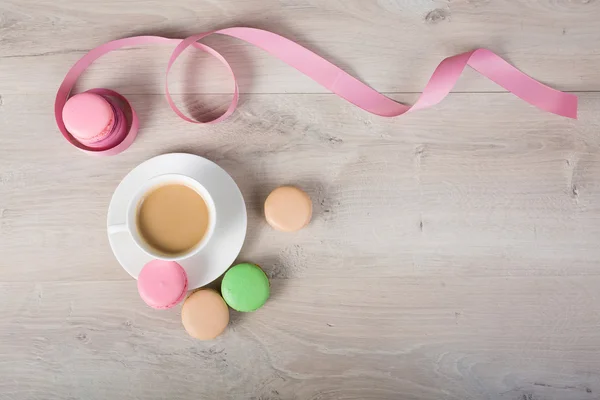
454 251
393 45
410 338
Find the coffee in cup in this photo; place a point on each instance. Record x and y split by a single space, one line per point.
171 217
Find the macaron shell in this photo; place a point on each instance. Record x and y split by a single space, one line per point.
288 209
88 117
162 284
245 287
204 314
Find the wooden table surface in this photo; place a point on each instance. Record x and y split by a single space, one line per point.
454 254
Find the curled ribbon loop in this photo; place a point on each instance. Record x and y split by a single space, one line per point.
326 74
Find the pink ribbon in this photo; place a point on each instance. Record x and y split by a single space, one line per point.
328 75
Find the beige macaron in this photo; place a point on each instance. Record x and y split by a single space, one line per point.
288 209
205 314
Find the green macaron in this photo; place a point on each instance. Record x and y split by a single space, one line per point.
245 287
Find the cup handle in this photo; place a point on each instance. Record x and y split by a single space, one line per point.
112 229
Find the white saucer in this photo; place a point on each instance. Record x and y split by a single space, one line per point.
230 230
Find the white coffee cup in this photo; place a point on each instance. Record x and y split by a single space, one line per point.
148 187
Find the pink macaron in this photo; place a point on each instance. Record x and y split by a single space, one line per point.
162 284
94 120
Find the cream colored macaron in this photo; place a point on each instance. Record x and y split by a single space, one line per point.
205 314
288 209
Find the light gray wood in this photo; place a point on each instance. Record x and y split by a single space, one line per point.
393 45
410 338
453 254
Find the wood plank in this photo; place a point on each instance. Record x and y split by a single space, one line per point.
393 45
482 185
327 338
